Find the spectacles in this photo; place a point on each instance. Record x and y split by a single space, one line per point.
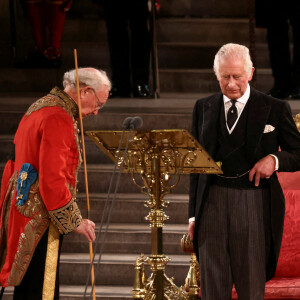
99 103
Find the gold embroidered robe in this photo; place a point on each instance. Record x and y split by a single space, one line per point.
47 138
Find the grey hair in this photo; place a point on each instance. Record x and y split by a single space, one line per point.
235 51
94 78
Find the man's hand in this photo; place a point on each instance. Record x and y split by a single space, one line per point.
87 228
264 168
191 229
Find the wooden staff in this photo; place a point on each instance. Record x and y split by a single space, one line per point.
85 173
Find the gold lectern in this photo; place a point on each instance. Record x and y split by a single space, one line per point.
155 160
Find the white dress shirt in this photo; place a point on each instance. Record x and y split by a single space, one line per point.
240 104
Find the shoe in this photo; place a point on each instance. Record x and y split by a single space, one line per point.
280 93
52 57
49 58
142 91
119 93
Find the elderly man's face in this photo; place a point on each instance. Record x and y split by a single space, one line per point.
92 101
233 78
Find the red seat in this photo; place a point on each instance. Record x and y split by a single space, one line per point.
286 283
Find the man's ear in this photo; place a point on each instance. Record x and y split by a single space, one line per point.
251 74
84 90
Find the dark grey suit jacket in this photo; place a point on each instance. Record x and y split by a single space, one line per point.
263 110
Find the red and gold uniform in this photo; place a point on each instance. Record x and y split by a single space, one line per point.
47 139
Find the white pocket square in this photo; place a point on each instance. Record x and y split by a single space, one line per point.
268 128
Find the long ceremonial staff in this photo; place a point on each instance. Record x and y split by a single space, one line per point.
85 172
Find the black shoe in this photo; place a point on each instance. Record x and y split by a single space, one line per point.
280 93
141 91
119 93
36 59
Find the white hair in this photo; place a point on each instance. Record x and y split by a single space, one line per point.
235 51
94 78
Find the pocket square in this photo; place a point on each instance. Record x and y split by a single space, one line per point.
268 128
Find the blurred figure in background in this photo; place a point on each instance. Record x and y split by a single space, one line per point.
129 46
277 17
47 19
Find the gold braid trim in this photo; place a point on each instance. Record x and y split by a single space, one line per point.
67 218
34 204
51 263
56 97
33 208
28 241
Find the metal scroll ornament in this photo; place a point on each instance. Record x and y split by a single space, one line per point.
155 160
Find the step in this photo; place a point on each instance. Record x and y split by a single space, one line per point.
212 8
115 269
170 103
113 120
171 55
208 30
99 177
206 8
200 54
196 36
171 80
70 292
128 238
130 207
167 103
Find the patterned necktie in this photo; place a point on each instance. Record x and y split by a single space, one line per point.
232 114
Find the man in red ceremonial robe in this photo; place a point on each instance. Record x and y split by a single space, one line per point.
47 20
47 141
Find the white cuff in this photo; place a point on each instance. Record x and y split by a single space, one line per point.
276 162
192 219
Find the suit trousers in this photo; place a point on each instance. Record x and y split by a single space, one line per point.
285 67
129 42
234 243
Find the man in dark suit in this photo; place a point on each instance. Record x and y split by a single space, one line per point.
129 47
278 17
236 219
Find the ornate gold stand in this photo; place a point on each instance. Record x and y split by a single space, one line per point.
155 160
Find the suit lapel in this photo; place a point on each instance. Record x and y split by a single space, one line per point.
257 118
258 113
211 114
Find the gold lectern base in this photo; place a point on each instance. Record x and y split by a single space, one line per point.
171 291
152 288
